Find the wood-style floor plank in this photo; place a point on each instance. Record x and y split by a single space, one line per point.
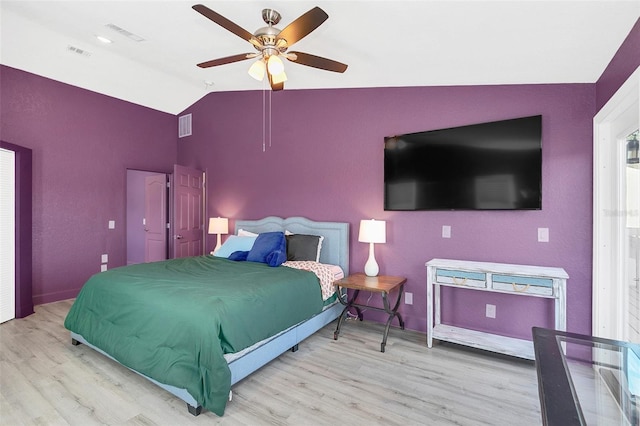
44 380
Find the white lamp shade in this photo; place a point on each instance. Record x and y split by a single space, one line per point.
373 231
218 225
257 70
275 65
279 78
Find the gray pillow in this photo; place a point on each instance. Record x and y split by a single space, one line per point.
302 247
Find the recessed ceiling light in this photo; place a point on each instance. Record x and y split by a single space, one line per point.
103 39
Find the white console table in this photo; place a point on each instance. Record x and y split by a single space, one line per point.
518 280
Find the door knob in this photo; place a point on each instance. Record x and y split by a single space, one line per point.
178 237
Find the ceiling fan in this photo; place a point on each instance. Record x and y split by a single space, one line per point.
272 43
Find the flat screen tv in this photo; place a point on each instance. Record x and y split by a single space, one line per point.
486 166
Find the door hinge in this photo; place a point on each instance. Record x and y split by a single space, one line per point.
168 184
168 225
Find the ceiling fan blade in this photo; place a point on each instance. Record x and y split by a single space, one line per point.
302 26
226 24
226 60
317 62
275 86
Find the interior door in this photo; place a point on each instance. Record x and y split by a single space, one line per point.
155 218
187 225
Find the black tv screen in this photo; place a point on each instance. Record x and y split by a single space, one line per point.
486 166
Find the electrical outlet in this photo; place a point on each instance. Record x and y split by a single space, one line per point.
491 311
408 298
104 258
446 231
103 268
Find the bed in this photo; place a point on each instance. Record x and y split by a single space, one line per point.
110 317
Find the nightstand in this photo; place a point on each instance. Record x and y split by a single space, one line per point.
382 284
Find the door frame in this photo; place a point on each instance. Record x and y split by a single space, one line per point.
608 219
24 228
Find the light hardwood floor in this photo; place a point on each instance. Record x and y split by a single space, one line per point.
44 380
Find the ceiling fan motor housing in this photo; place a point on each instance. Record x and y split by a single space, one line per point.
268 35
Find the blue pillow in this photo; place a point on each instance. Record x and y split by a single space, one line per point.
269 248
239 256
235 243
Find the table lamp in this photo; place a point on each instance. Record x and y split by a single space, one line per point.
372 231
218 225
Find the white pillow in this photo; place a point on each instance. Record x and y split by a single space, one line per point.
243 233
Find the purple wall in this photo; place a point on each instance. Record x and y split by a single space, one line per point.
82 144
325 163
625 62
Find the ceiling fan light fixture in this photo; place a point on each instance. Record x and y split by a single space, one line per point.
257 70
275 65
279 78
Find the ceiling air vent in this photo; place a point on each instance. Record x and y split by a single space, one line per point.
184 126
79 51
124 32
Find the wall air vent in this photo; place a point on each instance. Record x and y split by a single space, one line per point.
184 126
124 32
79 51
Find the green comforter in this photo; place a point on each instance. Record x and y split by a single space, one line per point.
173 320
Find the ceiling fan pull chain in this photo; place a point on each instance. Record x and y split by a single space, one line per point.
270 117
264 113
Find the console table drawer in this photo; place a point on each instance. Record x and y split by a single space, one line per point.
526 285
461 278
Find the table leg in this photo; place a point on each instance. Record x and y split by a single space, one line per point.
343 315
392 313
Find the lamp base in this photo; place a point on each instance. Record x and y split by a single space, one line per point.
219 243
371 268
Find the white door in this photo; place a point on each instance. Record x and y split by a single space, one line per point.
7 236
615 213
155 218
631 290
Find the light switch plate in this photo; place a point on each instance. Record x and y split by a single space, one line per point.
103 268
104 258
543 235
112 224
446 231
490 311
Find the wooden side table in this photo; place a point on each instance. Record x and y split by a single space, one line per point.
382 284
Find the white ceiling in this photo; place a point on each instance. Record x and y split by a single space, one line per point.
385 43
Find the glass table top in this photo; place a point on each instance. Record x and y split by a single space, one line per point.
584 380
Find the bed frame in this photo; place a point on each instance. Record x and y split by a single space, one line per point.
335 251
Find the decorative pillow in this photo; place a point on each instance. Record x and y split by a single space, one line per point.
239 256
269 248
304 247
243 233
235 243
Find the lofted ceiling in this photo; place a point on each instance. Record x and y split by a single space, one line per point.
385 44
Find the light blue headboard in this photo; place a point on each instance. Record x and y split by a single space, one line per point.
335 246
